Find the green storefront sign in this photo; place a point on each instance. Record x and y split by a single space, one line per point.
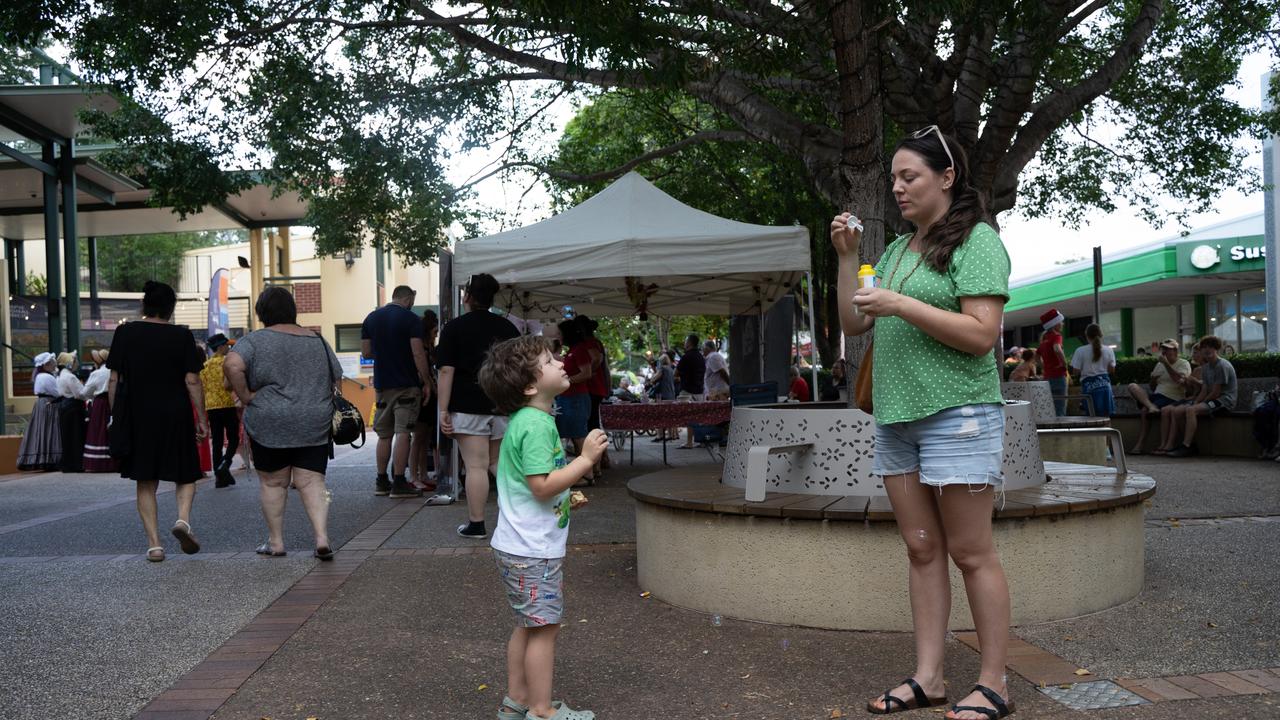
1227 255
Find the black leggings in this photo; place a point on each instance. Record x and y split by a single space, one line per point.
224 422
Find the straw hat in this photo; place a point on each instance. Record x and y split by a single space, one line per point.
67 359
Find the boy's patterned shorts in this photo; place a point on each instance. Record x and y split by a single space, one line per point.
535 588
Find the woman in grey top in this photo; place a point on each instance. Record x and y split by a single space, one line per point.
284 376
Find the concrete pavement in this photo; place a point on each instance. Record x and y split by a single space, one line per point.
417 629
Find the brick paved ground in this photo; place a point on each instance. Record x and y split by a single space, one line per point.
407 623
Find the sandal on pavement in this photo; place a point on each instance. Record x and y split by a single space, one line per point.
919 701
512 710
182 531
1002 708
324 553
563 712
265 549
155 554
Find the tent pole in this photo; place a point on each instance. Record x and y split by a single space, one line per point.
760 332
813 339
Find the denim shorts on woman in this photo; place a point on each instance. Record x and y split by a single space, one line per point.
535 588
958 446
572 414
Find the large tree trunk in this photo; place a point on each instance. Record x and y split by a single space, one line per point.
862 133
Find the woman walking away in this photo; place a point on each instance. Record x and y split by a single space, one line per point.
936 308
156 364
71 414
41 447
285 376
1096 363
97 457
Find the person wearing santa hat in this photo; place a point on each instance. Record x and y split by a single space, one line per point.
1052 359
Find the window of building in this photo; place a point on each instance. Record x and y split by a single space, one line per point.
1253 321
347 338
1110 325
1186 336
1153 324
1224 318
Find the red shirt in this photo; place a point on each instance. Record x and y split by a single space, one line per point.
1054 367
577 359
598 386
800 389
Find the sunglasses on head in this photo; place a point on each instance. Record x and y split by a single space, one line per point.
923 132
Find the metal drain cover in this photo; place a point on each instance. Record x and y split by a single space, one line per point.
1093 695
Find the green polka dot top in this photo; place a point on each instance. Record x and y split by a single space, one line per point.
913 375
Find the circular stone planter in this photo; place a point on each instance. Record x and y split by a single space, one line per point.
828 554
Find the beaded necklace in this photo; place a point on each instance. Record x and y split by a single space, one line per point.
889 283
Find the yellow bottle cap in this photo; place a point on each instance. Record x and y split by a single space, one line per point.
866 270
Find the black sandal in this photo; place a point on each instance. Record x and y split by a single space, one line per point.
265 549
324 553
1002 708
919 701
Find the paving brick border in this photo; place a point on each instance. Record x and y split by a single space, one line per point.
199 693
205 687
1044 669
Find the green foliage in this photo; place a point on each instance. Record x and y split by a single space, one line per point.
1134 370
627 339
1247 365
351 103
36 284
127 262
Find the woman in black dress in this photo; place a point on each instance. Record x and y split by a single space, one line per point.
158 364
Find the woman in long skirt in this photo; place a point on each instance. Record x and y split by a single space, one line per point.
97 456
41 447
71 414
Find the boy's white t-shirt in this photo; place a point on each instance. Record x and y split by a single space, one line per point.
1082 360
529 527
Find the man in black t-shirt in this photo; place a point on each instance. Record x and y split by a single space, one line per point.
691 371
466 413
392 337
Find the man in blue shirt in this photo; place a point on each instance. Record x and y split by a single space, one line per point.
392 337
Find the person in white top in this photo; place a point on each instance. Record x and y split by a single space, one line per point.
41 447
1169 382
1095 364
69 386
716 376
71 414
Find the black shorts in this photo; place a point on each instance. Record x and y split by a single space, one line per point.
1163 401
314 458
1216 407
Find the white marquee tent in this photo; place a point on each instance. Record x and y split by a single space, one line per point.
633 247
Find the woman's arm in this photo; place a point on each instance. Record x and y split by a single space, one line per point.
235 372
973 330
111 388
195 390
846 243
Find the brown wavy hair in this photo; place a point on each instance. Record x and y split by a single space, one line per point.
968 208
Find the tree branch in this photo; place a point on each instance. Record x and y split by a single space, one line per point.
1074 21
603 175
1063 104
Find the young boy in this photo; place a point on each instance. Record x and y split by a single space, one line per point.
522 378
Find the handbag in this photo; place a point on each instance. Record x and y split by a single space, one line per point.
862 386
348 423
119 431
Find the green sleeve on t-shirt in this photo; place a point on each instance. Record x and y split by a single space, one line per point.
980 267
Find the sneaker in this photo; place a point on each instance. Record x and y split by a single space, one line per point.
474 530
382 486
400 488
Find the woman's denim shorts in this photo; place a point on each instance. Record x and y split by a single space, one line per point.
959 445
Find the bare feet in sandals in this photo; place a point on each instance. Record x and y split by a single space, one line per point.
984 703
909 695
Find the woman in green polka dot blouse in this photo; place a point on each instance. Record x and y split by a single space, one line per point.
936 308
